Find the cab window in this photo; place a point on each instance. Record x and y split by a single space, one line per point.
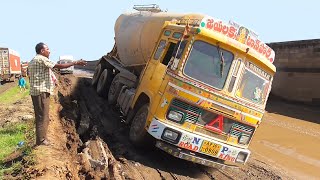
161 47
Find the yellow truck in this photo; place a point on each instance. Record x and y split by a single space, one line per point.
194 85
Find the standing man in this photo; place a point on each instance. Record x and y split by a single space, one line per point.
41 86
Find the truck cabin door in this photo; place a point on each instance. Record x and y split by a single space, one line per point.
156 68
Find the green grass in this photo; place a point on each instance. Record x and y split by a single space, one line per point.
12 95
10 136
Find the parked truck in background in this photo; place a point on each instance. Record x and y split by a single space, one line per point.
10 66
63 60
24 69
191 83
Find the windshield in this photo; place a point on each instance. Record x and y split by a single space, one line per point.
253 87
209 64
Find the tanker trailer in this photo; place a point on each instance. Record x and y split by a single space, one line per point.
190 84
136 35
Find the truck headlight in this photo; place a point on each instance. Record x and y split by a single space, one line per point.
242 156
175 116
170 135
244 139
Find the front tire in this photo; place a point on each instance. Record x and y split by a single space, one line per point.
104 83
138 134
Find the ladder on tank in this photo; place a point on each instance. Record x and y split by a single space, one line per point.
149 7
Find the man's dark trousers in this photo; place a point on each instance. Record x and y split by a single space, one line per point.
41 110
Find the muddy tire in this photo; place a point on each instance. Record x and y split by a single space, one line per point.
104 83
114 90
138 135
96 75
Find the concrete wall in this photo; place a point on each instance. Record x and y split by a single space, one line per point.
298 70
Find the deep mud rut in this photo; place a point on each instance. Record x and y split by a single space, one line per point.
75 104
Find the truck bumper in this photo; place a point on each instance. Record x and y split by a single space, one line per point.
189 156
194 147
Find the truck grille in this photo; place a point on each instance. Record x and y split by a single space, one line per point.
238 129
203 117
192 113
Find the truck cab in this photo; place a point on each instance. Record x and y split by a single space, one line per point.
211 98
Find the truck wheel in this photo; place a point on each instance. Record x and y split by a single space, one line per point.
96 75
13 78
138 134
104 83
114 90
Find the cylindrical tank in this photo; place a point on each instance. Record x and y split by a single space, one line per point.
136 35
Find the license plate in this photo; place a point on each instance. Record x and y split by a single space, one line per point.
210 148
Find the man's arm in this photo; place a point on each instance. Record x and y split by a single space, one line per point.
62 66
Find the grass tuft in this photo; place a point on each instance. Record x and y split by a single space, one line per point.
10 136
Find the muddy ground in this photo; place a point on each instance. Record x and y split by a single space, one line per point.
281 148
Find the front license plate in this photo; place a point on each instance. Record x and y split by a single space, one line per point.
210 148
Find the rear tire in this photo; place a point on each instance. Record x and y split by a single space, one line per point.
114 90
138 135
96 75
104 83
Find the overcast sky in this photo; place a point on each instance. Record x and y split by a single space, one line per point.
84 28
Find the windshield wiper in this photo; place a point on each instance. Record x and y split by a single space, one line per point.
221 61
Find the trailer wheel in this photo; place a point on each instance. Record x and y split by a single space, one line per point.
114 90
96 75
138 134
104 83
13 78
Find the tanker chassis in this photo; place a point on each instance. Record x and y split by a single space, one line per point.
192 84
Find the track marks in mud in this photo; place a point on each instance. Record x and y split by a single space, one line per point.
153 163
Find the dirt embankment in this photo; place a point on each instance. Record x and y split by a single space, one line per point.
103 151
19 111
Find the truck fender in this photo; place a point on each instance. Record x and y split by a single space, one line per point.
138 101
